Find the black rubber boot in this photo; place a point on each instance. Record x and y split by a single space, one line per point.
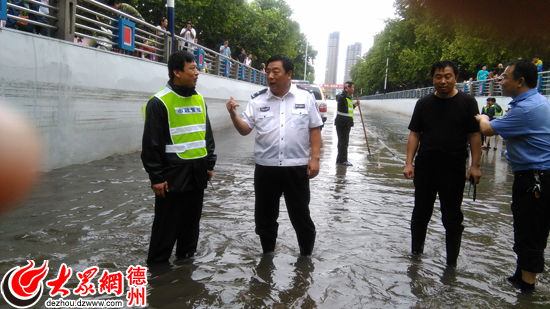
268 244
306 245
418 234
452 241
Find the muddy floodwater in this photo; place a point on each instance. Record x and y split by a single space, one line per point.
100 214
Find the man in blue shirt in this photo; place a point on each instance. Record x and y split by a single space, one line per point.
225 50
482 74
526 129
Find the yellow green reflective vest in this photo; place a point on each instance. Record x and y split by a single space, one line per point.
187 121
350 109
497 113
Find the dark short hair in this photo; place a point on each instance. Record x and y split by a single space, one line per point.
112 2
440 65
526 69
177 61
189 20
348 83
162 19
492 99
288 65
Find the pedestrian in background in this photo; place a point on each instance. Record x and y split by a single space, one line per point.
189 35
440 124
225 50
248 60
526 130
344 122
287 128
178 154
242 56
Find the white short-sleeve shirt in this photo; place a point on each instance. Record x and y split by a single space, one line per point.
282 126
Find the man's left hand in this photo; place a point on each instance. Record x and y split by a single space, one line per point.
313 169
474 172
210 174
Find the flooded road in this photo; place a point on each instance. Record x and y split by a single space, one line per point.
100 214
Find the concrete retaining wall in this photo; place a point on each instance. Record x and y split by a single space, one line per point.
86 103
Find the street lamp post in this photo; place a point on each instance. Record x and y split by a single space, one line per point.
305 63
170 5
387 63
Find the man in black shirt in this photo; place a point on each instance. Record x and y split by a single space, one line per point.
440 124
242 56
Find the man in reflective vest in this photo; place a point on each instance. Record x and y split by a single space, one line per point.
178 154
494 112
344 122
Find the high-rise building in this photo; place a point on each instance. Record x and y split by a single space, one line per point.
332 60
353 54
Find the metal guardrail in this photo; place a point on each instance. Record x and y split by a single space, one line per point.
489 88
93 20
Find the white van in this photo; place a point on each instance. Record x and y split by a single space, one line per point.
320 98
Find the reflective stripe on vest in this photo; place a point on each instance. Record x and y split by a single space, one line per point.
350 109
498 114
187 122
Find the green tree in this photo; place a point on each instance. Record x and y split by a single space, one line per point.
261 27
431 30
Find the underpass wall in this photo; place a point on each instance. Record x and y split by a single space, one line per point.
86 103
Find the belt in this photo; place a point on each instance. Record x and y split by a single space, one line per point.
531 172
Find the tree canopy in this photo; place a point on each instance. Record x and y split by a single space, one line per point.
261 27
469 32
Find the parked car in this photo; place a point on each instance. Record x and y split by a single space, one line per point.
320 98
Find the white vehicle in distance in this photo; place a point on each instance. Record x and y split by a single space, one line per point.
320 98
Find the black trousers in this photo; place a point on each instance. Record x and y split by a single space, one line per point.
343 142
270 182
177 218
449 185
531 220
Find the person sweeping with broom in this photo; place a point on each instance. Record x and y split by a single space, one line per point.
344 122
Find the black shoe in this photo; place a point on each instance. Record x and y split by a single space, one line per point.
517 281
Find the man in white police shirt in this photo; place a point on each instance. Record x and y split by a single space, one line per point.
287 123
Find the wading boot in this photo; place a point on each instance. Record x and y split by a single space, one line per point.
452 241
418 234
268 244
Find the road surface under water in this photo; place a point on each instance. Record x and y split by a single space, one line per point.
100 214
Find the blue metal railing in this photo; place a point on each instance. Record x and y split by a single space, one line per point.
93 23
476 88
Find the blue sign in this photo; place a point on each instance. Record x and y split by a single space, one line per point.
3 9
199 55
242 72
126 34
226 67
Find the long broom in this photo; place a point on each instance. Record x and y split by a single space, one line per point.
370 157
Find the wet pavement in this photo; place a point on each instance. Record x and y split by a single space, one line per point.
100 214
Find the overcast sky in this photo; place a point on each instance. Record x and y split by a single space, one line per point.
357 21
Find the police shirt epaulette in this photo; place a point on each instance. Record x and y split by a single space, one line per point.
258 93
303 88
